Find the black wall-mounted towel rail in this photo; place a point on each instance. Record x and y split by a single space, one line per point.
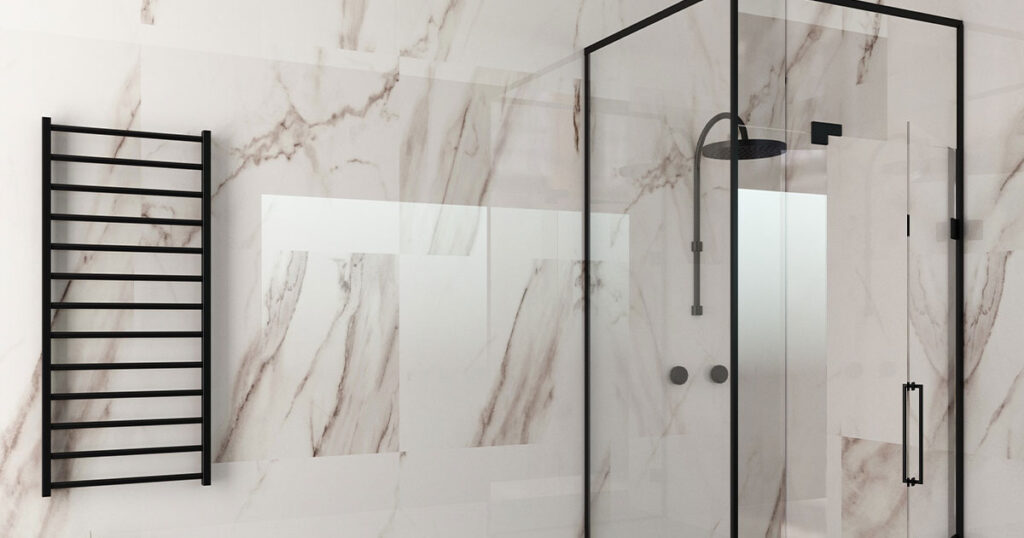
49 307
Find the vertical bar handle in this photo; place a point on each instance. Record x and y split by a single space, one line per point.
920 433
907 388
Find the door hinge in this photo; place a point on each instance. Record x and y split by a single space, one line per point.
955 229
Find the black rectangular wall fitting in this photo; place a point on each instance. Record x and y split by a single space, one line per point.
50 308
958 224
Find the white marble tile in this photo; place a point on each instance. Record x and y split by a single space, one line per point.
445 368
874 501
478 32
992 383
535 321
993 493
330 345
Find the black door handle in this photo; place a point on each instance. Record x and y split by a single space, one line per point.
907 388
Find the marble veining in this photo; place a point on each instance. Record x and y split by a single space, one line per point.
364 418
279 304
353 17
293 132
147 13
524 389
268 84
874 502
989 285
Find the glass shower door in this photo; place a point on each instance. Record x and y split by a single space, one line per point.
846 274
867 337
845 312
659 419
889 340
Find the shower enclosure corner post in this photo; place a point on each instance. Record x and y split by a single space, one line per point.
734 109
586 292
959 318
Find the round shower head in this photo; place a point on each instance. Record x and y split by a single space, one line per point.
754 148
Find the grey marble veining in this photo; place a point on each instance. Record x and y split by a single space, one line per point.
873 504
518 405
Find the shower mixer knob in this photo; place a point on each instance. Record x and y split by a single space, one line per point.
719 374
678 375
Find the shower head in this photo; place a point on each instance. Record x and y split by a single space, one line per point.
746 148
752 148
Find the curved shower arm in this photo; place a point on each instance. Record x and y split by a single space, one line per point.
742 127
696 246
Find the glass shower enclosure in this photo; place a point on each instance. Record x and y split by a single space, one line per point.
774 197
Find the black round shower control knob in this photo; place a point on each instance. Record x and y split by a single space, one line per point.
678 375
719 373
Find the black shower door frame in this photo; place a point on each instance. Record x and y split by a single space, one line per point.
957 234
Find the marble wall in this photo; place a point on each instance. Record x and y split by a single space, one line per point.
993 94
461 119
995 463
397 244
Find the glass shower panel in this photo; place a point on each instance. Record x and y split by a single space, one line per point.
763 229
846 273
659 420
866 349
923 87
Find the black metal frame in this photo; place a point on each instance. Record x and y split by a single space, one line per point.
907 389
48 307
957 234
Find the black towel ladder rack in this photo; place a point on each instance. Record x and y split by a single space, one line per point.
48 307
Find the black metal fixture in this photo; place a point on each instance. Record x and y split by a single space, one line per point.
820 131
678 375
49 306
907 389
746 149
719 373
